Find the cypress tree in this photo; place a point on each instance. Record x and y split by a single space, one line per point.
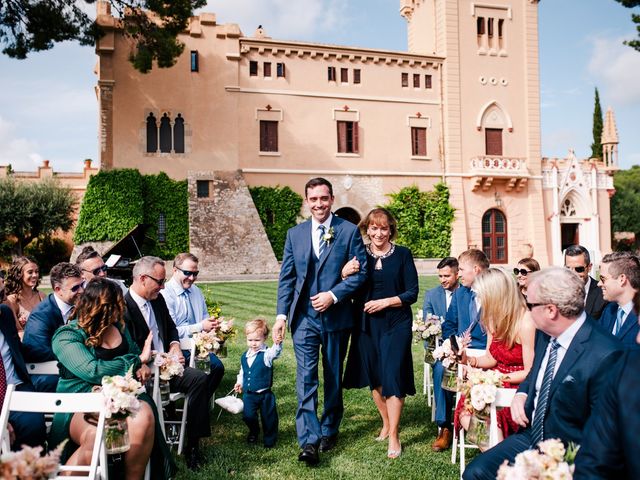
596 146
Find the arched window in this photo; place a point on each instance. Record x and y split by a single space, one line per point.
165 134
152 134
494 236
178 135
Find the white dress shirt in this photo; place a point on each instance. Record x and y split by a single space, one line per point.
270 354
315 233
64 307
627 309
149 318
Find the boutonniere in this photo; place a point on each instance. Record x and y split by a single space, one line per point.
328 237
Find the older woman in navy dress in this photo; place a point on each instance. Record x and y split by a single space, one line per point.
380 355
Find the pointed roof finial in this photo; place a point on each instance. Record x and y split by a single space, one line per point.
609 129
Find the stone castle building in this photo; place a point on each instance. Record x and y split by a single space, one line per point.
462 106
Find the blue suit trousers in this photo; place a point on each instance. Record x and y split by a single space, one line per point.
265 402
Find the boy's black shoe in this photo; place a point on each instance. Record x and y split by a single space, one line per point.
252 439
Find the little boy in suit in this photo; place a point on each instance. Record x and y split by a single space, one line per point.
255 380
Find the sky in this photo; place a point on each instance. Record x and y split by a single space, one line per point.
48 107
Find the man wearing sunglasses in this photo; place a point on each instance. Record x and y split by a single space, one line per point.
577 258
48 316
188 308
92 266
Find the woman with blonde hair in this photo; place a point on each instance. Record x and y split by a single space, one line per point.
510 336
21 290
94 344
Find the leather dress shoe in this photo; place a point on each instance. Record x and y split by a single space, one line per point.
193 459
252 439
327 443
444 440
309 455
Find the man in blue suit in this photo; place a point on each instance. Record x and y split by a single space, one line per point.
315 300
436 302
48 316
609 446
463 314
620 282
26 427
573 359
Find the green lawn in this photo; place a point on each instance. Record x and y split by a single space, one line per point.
357 454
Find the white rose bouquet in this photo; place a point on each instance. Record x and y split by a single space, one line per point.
550 460
121 395
169 365
426 328
206 342
480 390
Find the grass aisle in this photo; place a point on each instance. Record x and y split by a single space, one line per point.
357 454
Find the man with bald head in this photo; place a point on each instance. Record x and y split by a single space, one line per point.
573 357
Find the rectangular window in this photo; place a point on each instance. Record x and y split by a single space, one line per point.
356 75
480 25
416 80
427 81
331 74
268 136
405 79
500 27
162 228
202 187
347 137
253 68
419 141
490 27
280 70
493 141
266 69
194 60
344 75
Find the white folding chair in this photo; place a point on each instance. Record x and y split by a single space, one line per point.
458 441
43 368
427 385
185 344
61 403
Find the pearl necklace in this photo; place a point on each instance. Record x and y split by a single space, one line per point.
379 258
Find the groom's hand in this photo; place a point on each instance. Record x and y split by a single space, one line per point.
278 331
321 301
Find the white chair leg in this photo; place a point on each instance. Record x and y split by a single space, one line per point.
424 379
433 409
183 426
429 385
147 471
462 453
454 446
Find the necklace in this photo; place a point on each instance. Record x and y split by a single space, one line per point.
379 258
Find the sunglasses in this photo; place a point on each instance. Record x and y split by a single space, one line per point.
521 271
96 271
159 282
531 306
577 269
77 287
188 273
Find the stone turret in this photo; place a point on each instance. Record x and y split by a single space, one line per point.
609 141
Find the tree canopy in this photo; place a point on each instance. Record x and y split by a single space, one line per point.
635 18
625 204
34 25
34 210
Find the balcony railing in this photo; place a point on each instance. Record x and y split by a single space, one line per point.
487 168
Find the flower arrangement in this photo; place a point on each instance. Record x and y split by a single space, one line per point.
121 395
550 460
28 463
169 365
206 342
225 330
426 328
445 352
480 389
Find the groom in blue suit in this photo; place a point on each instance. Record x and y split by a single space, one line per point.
315 302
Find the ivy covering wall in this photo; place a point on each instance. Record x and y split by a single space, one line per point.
278 208
118 200
425 220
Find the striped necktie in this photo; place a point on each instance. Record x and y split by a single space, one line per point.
619 321
323 243
537 429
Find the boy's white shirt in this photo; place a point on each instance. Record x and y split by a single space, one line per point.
270 354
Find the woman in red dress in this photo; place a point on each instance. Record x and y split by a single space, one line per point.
510 336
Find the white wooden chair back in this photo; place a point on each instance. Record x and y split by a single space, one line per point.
504 397
61 403
43 368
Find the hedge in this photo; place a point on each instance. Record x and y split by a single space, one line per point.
278 208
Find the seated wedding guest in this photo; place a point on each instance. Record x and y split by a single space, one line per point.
21 289
463 314
436 302
25 428
146 311
92 266
620 282
577 258
609 444
93 345
380 353
188 309
510 336
522 271
572 362
48 316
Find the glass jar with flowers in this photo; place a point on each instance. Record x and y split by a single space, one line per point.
169 366
427 329
479 390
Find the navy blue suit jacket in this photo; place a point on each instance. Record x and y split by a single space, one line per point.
629 331
578 383
346 244
435 302
43 321
610 440
458 319
10 333
594 303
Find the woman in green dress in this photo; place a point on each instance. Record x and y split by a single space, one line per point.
93 345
